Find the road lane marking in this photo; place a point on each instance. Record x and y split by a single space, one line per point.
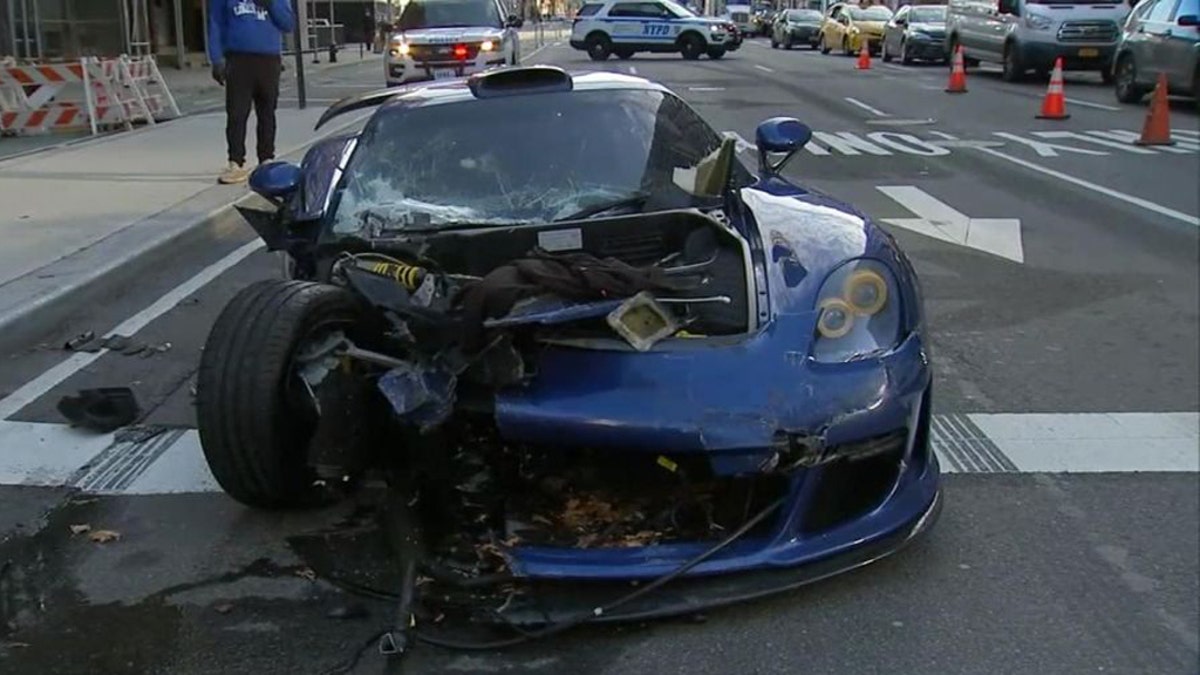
1129 199
171 460
848 143
1047 149
943 135
997 236
39 386
1127 147
764 68
874 111
1089 104
1181 147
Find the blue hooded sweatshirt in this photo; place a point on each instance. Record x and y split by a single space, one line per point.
241 26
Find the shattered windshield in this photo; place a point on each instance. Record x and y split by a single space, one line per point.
518 159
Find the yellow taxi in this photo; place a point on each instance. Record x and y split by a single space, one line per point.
846 25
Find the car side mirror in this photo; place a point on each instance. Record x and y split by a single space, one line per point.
1188 20
901 22
514 21
779 135
276 181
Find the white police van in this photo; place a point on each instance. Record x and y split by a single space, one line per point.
625 27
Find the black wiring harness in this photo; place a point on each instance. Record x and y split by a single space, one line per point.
386 640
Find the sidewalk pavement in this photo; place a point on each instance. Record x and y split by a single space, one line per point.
75 215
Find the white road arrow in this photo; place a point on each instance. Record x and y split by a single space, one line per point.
997 236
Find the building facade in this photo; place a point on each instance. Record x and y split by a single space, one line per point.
175 31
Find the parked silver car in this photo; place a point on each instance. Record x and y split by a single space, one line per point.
916 32
796 27
1160 36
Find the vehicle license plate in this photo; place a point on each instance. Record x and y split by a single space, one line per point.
1089 53
443 73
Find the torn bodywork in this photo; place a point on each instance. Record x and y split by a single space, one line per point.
700 373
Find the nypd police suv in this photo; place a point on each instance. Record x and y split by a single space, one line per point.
624 28
438 39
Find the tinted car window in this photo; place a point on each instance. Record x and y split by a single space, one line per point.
420 14
928 15
1161 11
870 13
804 15
589 10
436 165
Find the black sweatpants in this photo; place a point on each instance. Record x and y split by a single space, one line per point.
251 79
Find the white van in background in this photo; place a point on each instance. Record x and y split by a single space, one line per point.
1024 35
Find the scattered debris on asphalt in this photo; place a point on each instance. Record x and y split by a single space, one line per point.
105 409
81 529
307 573
348 612
121 344
223 608
104 536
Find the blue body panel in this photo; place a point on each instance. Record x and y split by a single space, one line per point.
730 399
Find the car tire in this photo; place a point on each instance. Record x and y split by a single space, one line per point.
774 44
253 439
1107 76
905 56
887 56
825 49
1125 84
624 54
599 47
846 51
1013 69
691 47
715 53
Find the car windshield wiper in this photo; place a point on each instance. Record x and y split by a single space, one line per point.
635 199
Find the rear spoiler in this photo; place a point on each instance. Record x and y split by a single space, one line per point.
358 102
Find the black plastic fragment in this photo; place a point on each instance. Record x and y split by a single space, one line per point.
105 409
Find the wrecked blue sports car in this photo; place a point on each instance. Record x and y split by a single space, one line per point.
557 313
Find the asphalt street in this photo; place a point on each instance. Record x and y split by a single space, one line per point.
1076 302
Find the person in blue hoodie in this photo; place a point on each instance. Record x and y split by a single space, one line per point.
245 40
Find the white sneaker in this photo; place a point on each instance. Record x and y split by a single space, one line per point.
234 173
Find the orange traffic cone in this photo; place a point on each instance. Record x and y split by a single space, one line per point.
1054 106
958 74
864 57
1157 129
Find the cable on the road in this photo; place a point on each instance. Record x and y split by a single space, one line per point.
555 629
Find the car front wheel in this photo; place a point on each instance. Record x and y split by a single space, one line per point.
255 415
1125 79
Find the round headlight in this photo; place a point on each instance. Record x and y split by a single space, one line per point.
866 292
837 318
403 48
487 46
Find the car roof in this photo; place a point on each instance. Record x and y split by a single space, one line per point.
455 91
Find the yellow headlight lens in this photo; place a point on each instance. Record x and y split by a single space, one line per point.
836 320
487 46
866 292
403 48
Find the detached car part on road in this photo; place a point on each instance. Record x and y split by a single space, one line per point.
622 356
656 26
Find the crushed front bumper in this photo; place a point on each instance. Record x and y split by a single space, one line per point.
541 602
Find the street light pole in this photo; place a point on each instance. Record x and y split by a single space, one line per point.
301 93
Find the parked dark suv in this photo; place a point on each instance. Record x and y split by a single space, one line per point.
1160 36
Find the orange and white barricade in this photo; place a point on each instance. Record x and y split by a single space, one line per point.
90 93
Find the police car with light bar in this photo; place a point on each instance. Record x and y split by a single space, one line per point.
625 28
442 39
